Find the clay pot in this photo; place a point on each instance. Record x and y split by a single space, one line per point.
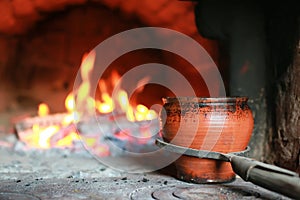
214 124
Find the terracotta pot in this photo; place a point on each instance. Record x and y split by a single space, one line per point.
214 124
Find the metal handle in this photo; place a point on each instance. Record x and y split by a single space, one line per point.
267 176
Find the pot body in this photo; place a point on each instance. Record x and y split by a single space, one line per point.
213 124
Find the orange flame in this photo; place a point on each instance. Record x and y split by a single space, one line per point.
105 104
45 136
68 140
43 110
70 102
84 101
87 65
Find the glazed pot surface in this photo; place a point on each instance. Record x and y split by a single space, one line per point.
214 124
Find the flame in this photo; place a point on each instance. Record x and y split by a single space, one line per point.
68 140
43 110
151 114
70 102
87 65
107 104
115 78
84 101
72 115
46 137
105 107
125 106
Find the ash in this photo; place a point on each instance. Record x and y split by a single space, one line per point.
17 161
65 174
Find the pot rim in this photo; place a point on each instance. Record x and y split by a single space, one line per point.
231 99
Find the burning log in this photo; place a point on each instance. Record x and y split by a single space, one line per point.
106 126
103 135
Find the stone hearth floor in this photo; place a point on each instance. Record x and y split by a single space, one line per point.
56 174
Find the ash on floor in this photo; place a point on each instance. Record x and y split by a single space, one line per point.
52 163
58 174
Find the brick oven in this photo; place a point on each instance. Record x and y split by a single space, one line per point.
42 47
64 31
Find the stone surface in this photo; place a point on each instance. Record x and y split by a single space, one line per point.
54 174
47 6
7 21
24 8
149 186
152 13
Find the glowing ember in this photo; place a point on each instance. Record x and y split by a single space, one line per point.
68 140
45 135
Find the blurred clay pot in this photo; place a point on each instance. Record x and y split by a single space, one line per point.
214 124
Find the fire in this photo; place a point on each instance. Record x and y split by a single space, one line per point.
45 135
68 140
84 102
70 102
125 106
107 104
65 133
43 110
